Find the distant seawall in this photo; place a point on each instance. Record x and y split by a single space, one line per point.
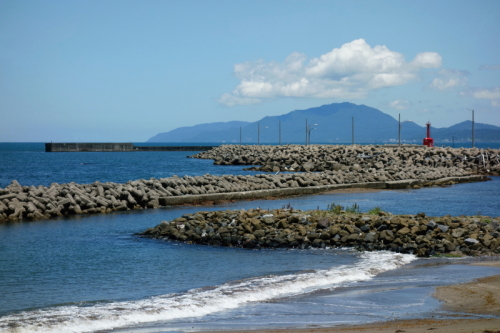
107 147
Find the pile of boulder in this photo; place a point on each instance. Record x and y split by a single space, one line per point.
288 228
29 202
339 157
353 166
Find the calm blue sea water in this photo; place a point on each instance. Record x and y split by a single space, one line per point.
91 273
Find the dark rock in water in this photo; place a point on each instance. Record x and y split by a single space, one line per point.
321 229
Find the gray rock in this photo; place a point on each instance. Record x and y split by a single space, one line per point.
371 237
308 166
323 224
431 224
444 228
470 241
456 233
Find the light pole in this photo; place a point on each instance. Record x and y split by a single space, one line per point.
472 126
399 130
309 129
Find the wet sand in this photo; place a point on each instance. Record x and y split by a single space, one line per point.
481 296
400 326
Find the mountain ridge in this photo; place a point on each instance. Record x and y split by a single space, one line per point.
329 123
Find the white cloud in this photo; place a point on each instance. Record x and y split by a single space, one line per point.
484 93
487 93
400 104
232 100
349 72
490 67
427 60
449 78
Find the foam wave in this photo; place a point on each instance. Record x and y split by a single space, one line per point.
198 302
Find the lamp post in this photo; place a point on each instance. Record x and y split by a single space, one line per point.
399 130
472 126
309 129
306 131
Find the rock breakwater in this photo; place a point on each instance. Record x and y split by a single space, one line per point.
337 167
288 228
375 159
19 202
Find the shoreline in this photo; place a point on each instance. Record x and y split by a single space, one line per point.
475 296
399 326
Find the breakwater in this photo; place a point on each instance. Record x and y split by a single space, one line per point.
288 228
19 202
117 147
337 167
376 160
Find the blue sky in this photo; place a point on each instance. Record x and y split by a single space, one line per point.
90 71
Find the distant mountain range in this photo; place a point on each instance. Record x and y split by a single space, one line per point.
332 123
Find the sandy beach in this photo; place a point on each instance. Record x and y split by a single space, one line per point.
481 296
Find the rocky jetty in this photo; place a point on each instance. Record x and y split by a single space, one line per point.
382 159
288 228
337 167
29 202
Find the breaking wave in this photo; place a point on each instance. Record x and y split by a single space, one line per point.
198 302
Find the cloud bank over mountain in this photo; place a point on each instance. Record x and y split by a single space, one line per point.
348 72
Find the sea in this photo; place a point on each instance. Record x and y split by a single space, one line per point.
93 273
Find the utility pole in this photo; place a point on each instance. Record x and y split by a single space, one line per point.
258 133
306 133
399 130
472 126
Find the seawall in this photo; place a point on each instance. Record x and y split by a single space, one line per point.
115 147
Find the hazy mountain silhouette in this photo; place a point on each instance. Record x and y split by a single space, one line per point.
332 123
191 133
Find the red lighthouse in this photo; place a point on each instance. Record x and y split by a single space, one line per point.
428 141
